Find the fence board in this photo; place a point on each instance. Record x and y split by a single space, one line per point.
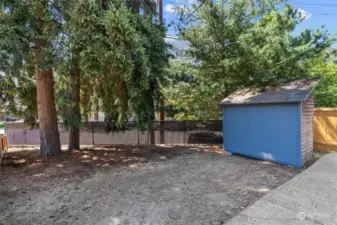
325 129
94 133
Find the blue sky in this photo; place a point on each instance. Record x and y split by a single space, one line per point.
321 12
318 13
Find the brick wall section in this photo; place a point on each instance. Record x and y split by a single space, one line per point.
307 128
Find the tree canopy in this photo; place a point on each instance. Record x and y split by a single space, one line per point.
122 55
242 43
326 91
107 55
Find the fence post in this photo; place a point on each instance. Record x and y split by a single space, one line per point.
184 132
92 133
5 126
162 129
152 133
138 137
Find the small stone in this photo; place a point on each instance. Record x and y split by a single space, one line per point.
15 188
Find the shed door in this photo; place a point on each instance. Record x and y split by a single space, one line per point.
268 132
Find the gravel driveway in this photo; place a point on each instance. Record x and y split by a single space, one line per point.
173 185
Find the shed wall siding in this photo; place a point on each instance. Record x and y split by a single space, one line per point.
307 128
268 131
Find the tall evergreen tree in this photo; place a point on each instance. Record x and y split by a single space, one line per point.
127 51
28 31
110 58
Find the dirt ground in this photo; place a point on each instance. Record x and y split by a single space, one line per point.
132 185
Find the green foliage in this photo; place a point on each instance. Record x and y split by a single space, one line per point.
19 96
18 33
121 54
243 43
183 92
326 91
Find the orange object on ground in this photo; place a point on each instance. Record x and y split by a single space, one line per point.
3 145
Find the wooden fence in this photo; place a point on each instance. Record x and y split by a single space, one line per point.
176 132
325 129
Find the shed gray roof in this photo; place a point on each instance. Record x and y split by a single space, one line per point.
294 91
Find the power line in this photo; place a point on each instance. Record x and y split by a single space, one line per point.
324 14
320 14
191 14
313 4
317 5
307 4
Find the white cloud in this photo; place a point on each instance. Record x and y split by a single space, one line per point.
186 4
170 8
180 5
174 8
304 14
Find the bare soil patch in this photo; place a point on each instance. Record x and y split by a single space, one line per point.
134 185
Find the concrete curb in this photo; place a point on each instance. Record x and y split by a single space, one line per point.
309 198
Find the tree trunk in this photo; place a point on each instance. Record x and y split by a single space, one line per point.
149 8
162 122
96 113
162 111
152 134
49 134
134 5
74 133
160 9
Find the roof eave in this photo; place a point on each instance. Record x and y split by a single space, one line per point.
258 103
313 88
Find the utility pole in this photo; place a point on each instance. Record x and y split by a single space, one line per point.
162 103
160 8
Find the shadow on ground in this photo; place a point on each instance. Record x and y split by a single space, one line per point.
133 185
27 159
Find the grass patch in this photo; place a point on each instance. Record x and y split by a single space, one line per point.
318 154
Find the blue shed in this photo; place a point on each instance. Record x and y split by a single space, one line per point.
275 124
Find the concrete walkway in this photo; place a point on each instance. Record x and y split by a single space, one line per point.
309 198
